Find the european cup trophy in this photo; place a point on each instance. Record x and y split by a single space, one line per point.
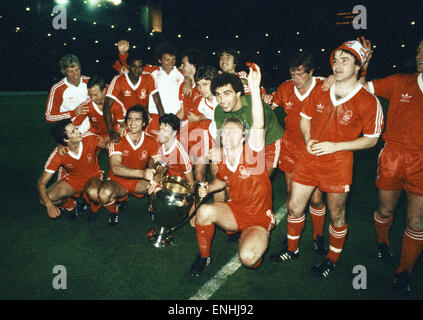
170 207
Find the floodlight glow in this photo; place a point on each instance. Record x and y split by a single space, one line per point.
115 2
92 3
64 2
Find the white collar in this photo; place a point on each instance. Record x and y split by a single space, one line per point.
78 155
305 95
346 98
170 149
135 147
97 108
70 84
130 82
238 158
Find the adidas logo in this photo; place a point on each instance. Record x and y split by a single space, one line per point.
320 107
289 105
405 98
127 93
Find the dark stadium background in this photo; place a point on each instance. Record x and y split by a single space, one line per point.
29 56
119 263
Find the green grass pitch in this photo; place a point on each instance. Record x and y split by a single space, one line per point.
119 263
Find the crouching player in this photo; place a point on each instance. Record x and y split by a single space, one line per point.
82 172
243 170
129 164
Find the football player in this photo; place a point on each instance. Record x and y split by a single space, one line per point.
242 170
400 167
130 166
331 124
82 172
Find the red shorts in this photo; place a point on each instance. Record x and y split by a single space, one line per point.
289 154
272 152
400 168
128 184
264 219
79 183
331 173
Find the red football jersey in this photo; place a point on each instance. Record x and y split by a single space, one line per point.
96 118
134 156
405 111
343 120
248 181
123 90
190 104
288 97
82 165
177 160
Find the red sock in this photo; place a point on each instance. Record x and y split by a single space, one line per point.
69 204
111 207
412 245
204 238
318 220
124 198
294 228
336 242
95 207
382 226
257 264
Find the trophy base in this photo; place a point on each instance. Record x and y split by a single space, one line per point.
159 239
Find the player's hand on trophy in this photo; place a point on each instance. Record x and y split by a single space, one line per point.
148 174
203 189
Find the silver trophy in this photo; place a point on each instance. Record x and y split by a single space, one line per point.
170 206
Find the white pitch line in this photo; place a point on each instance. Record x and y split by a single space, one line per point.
211 286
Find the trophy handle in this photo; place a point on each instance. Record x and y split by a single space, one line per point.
198 201
162 164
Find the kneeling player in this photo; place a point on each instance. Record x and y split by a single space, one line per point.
129 160
243 170
83 173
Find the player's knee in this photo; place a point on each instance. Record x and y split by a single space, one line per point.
92 193
337 215
385 213
105 194
248 258
316 201
294 209
415 223
204 215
